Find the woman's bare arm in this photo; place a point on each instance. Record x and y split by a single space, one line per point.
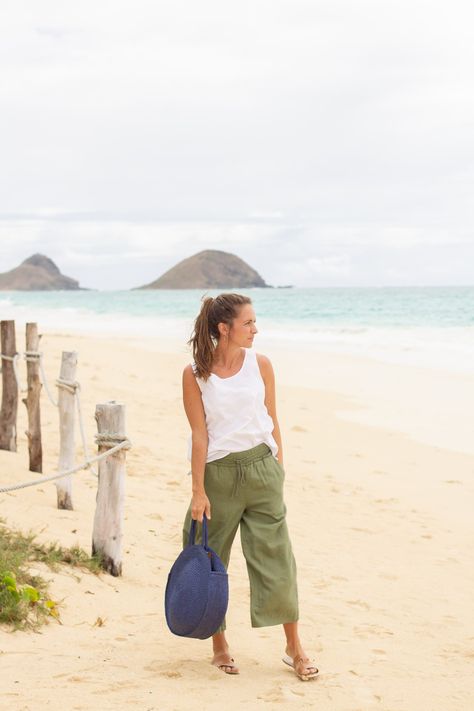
266 370
194 409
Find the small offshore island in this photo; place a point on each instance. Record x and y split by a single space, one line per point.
209 269
37 273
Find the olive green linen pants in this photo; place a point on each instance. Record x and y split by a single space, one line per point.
246 488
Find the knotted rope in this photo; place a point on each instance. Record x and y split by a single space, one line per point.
71 386
121 442
109 439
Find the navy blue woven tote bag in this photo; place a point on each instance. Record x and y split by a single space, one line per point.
197 591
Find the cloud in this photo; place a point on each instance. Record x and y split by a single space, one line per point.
338 265
135 133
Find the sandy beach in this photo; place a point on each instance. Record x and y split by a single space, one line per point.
379 489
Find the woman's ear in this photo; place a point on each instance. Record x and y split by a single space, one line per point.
223 329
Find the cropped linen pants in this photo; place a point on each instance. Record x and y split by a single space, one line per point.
246 488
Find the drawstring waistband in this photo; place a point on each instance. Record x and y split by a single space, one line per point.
240 460
239 479
246 457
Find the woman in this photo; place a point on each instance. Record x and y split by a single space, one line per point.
237 467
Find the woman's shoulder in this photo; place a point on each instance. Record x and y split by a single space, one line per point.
190 379
264 364
189 369
262 359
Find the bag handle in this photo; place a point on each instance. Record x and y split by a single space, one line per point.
192 532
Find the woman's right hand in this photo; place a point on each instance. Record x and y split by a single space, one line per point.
200 505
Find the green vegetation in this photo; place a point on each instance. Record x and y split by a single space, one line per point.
24 599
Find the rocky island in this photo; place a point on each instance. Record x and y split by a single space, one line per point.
37 273
209 269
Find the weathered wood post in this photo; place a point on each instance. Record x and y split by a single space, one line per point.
66 397
108 520
32 400
8 413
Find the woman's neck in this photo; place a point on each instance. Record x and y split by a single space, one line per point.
227 357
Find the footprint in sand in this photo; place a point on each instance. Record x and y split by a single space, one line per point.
450 619
359 603
366 695
298 428
321 585
171 674
281 695
452 481
163 670
116 686
368 630
467 652
172 536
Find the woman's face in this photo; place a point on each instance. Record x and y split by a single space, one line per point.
243 329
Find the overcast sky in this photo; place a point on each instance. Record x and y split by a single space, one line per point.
325 142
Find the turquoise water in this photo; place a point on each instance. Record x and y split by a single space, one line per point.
419 325
389 307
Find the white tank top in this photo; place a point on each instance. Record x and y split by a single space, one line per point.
236 416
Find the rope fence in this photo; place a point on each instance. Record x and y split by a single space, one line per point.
110 438
122 444
73 387
44 379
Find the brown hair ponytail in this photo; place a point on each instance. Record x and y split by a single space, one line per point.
223 309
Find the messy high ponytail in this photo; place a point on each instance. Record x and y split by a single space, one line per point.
223 309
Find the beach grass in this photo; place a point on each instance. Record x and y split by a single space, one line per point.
24 596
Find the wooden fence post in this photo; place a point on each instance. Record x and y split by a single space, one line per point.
108 520
66 398
9 409
32 400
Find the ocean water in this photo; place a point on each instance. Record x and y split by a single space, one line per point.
428 326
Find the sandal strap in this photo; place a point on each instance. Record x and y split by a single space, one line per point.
304 661
222 654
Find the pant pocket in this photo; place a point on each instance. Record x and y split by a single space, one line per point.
279 467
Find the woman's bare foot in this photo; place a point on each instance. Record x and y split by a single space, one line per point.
302 665
295 654
224 662
222 658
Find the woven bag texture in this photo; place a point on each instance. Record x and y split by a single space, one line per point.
197 591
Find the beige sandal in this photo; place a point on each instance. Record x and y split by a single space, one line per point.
304 670
228 667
